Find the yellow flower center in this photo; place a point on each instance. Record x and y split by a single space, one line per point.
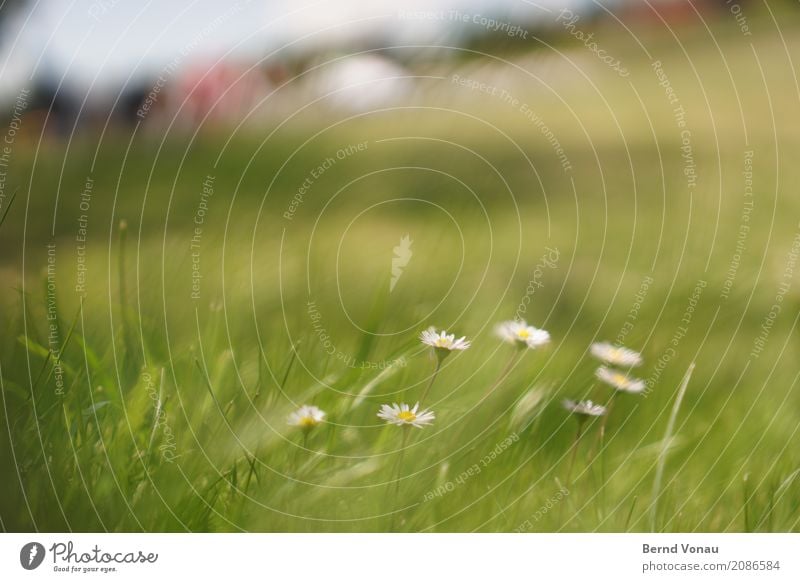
406 416
307 422
523 334
620 379
442 342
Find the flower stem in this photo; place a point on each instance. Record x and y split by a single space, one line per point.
605 417
398 468
297 451
515 357
399 463
601 435
574 453
433 378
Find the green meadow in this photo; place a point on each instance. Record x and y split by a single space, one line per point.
168 298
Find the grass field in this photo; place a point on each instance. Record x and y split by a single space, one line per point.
148 374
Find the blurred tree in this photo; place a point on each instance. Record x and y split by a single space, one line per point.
8 7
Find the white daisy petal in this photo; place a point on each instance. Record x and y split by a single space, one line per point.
615 355
443 342
306 417
584 407
619 381
521 334
403 415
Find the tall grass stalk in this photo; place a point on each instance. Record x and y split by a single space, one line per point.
662 457
126 326
8 206
157 414
747 496
630 513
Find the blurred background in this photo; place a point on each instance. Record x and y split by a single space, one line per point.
87 61
211 213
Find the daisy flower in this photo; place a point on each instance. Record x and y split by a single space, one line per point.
402 415
522 335
618 356
306 417
584 408
442 342
619 380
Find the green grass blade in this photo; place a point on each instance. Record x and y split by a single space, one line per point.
8 208
662 457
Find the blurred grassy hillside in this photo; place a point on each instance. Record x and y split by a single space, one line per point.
209 316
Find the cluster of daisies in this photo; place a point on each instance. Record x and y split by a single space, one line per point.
617 361
615 371
517 333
